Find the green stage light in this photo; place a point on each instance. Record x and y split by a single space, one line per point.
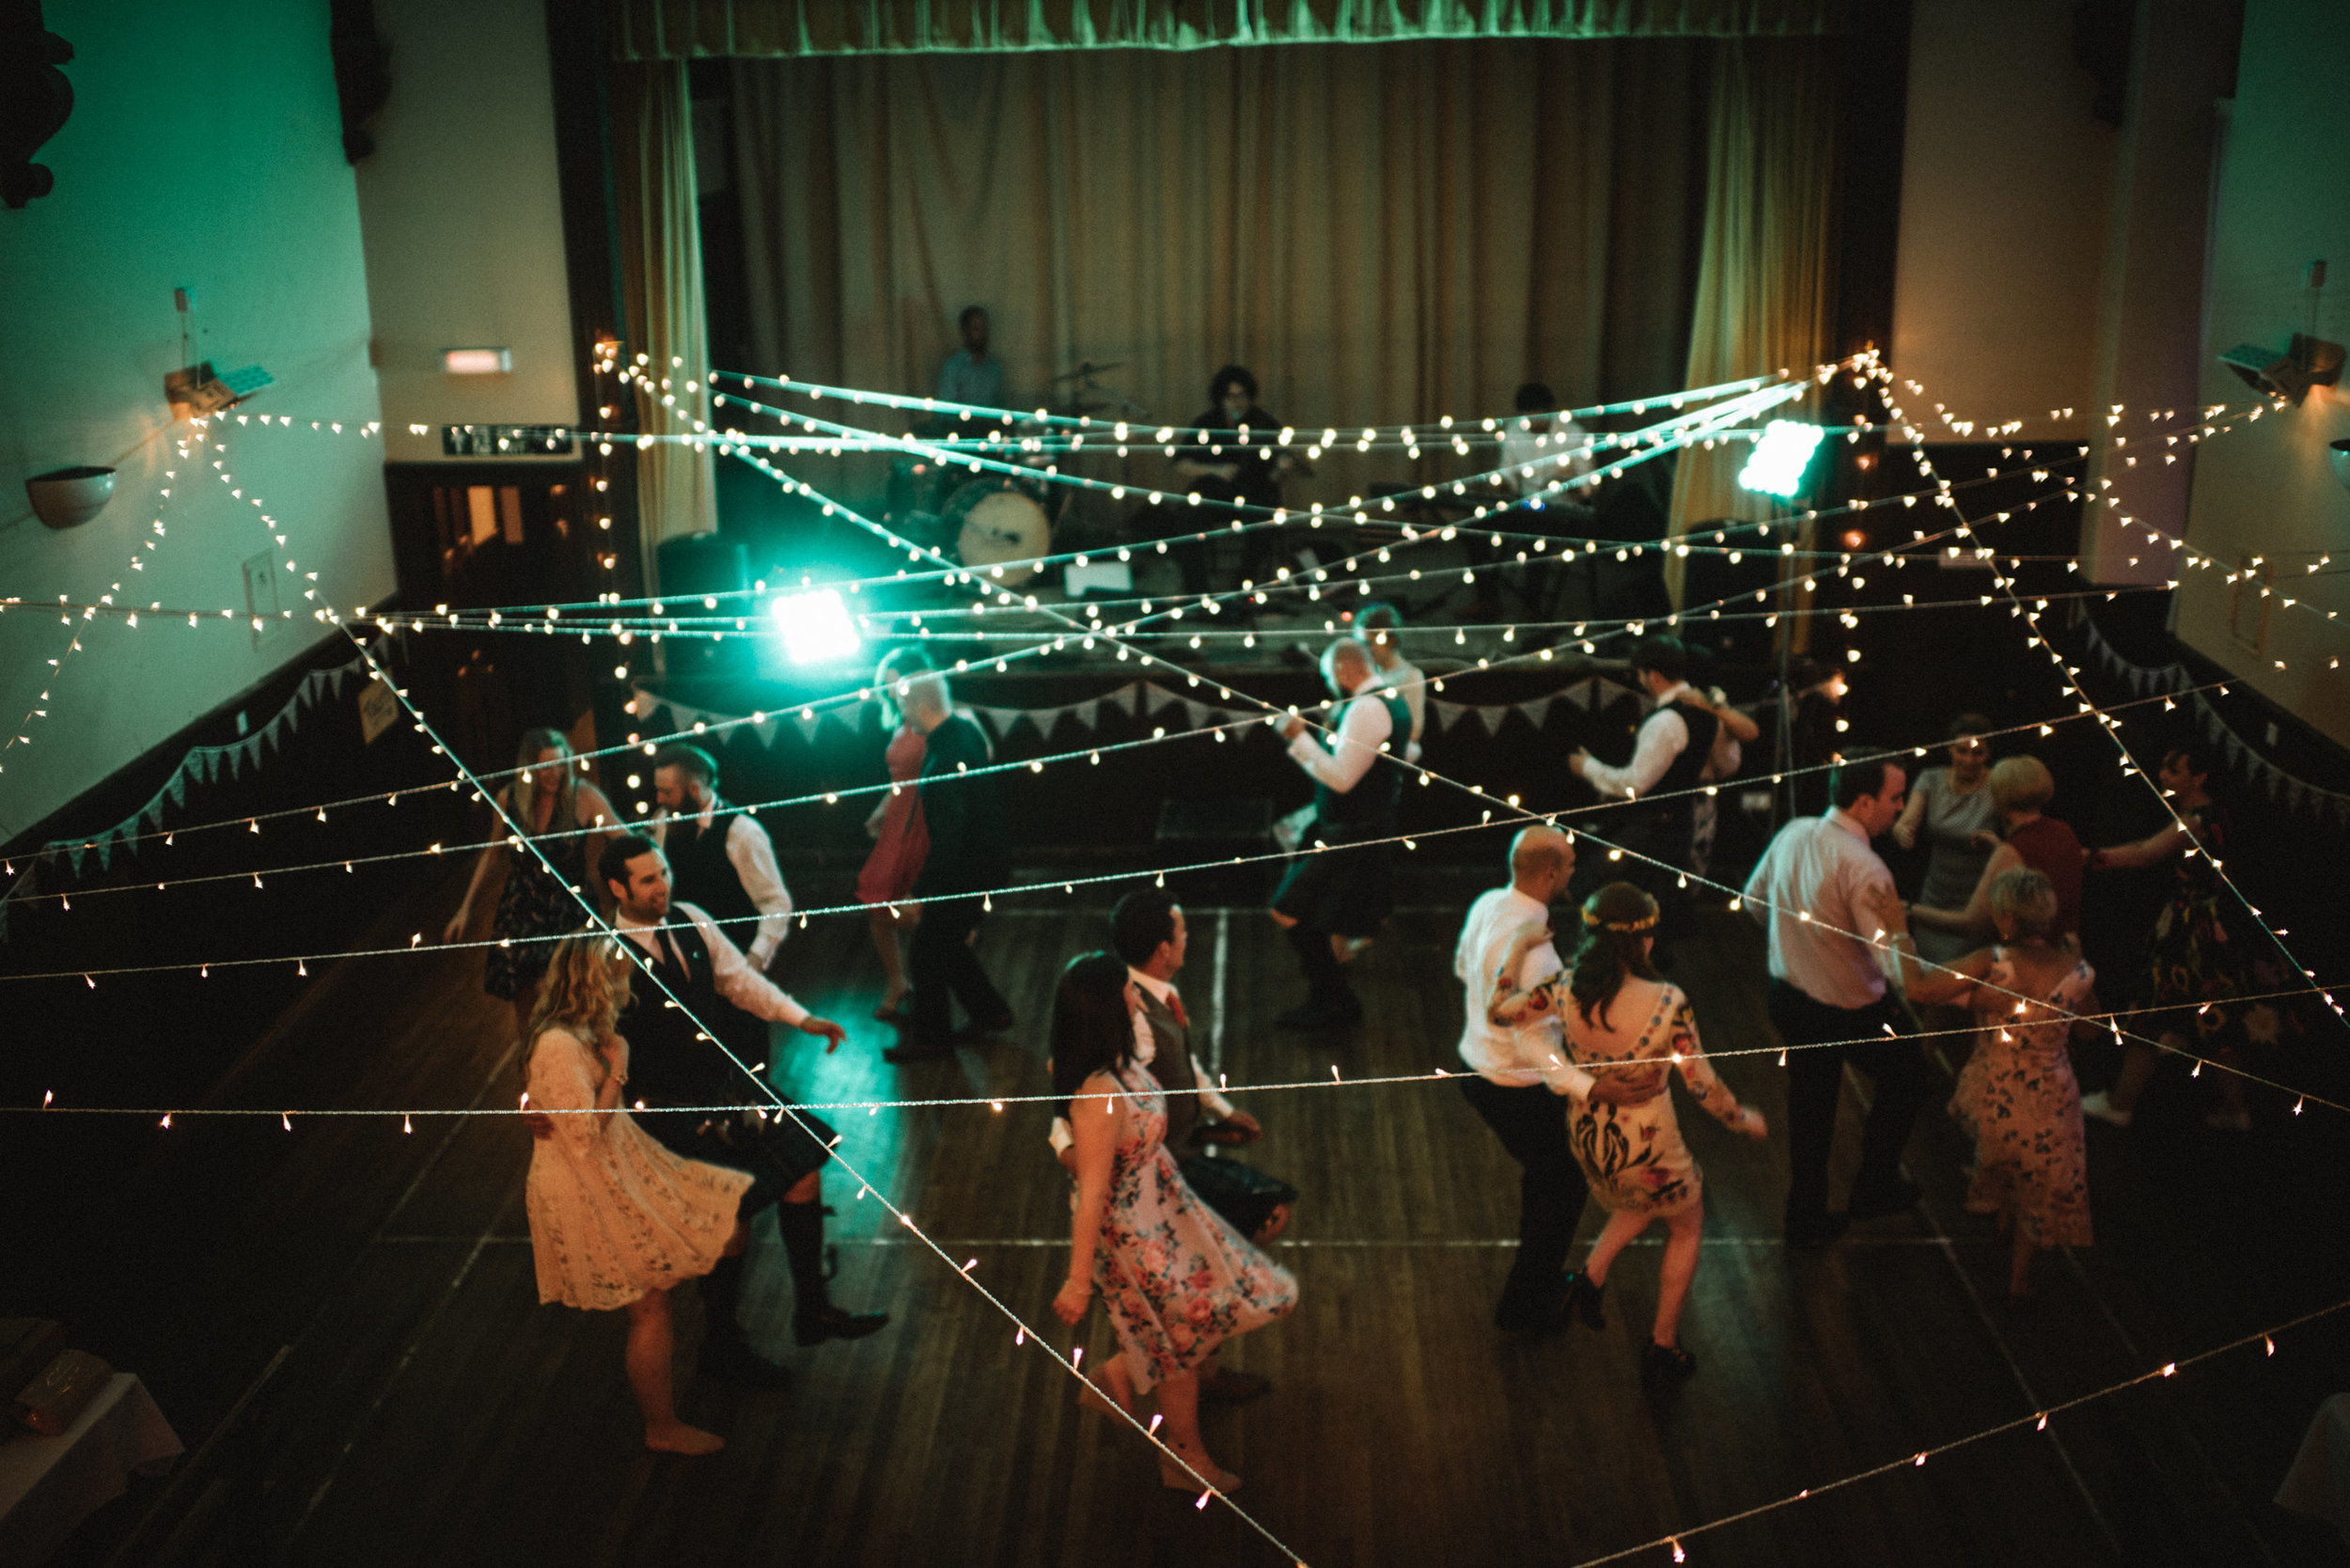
1781 455
816 627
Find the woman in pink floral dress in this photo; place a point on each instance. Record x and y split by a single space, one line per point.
2018 1095
902 840
1177 1279
1610 1007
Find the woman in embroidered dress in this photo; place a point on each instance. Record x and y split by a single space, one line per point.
2017 1097
615 1219
1177 1279
1611 1007
900 838
566 821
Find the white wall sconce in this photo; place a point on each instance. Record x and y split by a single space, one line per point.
68 498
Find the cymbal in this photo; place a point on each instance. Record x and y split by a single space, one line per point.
1087 368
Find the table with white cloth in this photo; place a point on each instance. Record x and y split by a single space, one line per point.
48 1486
2319 1482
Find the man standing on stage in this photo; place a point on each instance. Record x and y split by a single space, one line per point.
1518 1074
721 859
1338 894
1667 756
674 1062
971 375
964 810
1835 925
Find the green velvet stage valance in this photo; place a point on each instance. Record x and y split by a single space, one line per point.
769 29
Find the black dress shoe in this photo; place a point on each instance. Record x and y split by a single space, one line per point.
1584 1300
730 1358
1666 1363
1900 1198
832 1322
1815 1229
917 1050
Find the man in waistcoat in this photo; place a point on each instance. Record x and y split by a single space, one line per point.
1341 888
704 1102
720 860
1669 756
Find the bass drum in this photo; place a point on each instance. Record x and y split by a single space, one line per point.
995 522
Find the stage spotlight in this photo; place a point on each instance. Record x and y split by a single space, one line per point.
1781 455
816 627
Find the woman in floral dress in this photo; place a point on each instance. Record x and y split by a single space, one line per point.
1177 1279
2017 1097
615 1219
1610 1007
2205 954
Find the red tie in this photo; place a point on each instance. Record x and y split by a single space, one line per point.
1175 1006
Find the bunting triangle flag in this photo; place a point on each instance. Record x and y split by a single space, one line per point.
764 727
1490 717
1126 697
1537 712
1156 696
1580 694
1442 716
808 724
1088 714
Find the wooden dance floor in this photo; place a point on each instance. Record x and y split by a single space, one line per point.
429 1411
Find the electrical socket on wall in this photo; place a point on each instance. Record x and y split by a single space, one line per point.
261 593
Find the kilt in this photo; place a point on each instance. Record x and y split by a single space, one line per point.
779 1152
1348 887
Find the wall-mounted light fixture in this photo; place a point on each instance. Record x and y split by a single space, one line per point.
477 362
68 498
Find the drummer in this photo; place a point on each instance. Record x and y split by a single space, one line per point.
971 375
1245 468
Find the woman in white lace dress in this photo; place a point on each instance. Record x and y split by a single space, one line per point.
615 1219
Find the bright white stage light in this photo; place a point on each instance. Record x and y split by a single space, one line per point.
816 627
1781 455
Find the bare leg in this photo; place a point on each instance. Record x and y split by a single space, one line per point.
1680 1266
2019 1264
1179 1402
884 924
2138 1065
1618 1236
651 1351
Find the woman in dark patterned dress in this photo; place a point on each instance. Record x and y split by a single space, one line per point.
1610 1007
568 821
2205 952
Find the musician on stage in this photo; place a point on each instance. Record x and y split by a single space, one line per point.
971 375
1231 456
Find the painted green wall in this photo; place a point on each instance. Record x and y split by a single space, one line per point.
205 150
2267 488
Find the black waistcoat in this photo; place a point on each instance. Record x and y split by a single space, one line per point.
701 874
1369 808
670 1060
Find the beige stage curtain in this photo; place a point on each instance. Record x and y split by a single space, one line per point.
1382 234
1765 284
661 278
745 29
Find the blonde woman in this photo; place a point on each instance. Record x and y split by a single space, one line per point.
568 822
2018 1095
615 1219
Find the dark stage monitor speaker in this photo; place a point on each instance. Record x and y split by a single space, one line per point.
693 566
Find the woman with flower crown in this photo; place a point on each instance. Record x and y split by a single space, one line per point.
1611 1007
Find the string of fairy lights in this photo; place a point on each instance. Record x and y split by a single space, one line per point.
478 786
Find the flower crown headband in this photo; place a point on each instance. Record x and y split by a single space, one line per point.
1591 918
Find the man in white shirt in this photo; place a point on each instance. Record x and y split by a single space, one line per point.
1341 889
1542 446
1835 925
677 1072
1519 1073
1668 759
720 856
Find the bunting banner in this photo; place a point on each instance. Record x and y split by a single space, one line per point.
2295 793
202 765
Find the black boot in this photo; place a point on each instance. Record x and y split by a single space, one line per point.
814 1318
726 1354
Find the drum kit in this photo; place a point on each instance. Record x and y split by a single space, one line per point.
996 520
